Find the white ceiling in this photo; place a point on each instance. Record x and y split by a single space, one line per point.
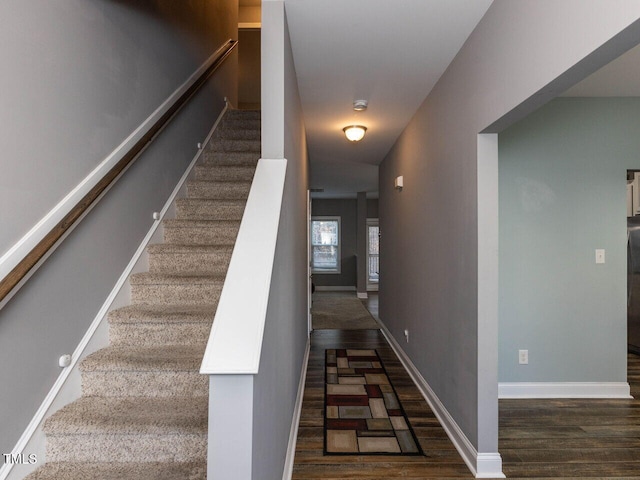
620 78
388 52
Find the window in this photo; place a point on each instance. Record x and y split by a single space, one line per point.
325 244
373 254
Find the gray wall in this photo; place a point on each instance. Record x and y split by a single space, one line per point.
562 195
249 67
372 208
84 74
286 333
346 210
521 55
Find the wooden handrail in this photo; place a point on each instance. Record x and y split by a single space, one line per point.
31 259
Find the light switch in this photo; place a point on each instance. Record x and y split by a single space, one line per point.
600 255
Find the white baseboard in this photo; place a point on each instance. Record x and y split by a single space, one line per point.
564 390
363 295
295 422
67 387
482 465
338 288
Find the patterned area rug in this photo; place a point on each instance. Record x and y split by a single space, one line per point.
363 415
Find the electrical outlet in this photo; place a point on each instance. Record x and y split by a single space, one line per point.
523 357
406 334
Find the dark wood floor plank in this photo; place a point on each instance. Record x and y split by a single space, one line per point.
550 439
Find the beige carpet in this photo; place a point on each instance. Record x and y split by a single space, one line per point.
144 405
340 311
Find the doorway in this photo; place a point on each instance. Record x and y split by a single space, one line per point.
633 261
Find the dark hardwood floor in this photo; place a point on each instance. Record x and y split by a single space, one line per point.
571 438
441 460
550 439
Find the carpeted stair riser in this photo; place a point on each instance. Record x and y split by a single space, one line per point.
114 470
189 259
243 114
238 123
149 334
219 190
165 384
226 145
231 132
187 294
172 447
205 209
101 429
212 173
149 326
235 119
167 290
237 159
120 371
193 232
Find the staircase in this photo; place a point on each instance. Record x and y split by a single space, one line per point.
143 410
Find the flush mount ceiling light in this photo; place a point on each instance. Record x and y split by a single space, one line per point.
354 133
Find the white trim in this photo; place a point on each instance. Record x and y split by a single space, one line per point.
22 247
295 423
487 409
335 288
482 465
235 341
564 390
363 295
32 439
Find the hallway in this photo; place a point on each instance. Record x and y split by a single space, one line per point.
553 439
441 460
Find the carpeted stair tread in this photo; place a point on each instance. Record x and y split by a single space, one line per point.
147 370
168 248
146 278
207 209
148 325
209 172
120 471
239 122
163 314
178 358
235 113
239 132
201 232
238 190
173 258
131 416
239 159
228 145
